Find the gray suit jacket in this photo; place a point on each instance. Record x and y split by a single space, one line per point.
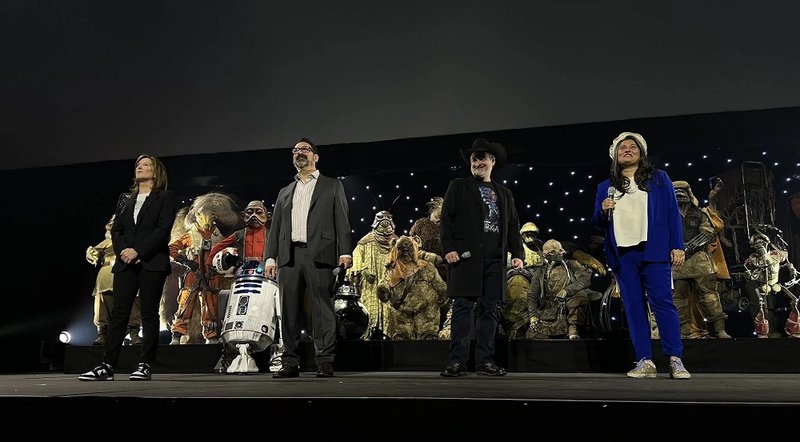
328 233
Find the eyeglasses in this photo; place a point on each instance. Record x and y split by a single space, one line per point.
303 149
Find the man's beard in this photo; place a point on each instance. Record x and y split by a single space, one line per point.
301 161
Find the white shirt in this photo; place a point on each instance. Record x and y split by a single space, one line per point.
301 203
630 217
139 202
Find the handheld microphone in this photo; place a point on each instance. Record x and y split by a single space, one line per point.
338 270
611 192
466 255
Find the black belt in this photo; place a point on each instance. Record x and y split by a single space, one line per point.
299 244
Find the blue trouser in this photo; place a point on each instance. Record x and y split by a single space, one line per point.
635 278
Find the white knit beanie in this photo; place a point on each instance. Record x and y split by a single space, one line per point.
639 140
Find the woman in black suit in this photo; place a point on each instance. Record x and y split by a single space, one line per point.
140 237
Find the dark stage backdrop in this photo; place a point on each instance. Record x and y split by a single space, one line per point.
50 215
90 81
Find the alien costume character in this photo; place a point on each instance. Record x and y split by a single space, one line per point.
415 291
763 266
250 242
207 212
558 299
369 265
103 255
697 276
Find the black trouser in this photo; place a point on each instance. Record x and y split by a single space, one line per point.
486 317
149 286
303 276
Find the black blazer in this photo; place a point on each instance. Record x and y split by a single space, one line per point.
462 231
328 225
150 235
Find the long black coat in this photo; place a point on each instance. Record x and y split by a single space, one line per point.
462 231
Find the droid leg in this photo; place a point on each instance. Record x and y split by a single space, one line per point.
243 363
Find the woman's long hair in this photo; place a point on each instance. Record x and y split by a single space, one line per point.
643 172
160 180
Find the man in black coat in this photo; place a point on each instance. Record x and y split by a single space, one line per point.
479 226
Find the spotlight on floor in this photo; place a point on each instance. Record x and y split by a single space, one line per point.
65 337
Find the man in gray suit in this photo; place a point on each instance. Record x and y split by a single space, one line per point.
310 237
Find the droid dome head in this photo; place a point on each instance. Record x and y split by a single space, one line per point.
352 317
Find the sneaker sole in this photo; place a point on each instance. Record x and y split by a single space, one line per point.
483 373
453 375
92 378
642 376
137 378
681 376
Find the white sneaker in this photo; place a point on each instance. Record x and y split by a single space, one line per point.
677 370
645 368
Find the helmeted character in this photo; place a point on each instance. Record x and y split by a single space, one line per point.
558 299
696 278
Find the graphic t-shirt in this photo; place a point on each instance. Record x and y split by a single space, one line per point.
491 220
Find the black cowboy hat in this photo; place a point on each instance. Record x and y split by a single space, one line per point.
482 145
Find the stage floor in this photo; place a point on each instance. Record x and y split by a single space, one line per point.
358 404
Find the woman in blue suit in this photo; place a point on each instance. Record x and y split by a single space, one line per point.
637 209
140 237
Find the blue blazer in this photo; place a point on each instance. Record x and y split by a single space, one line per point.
664 223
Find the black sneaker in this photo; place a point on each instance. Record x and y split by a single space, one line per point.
102 372
325 370
142 373
454 369
491 369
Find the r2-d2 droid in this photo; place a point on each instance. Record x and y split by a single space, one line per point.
252 316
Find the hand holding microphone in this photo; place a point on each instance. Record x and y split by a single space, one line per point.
454 257
609 203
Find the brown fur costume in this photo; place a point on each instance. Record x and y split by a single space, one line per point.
414 290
